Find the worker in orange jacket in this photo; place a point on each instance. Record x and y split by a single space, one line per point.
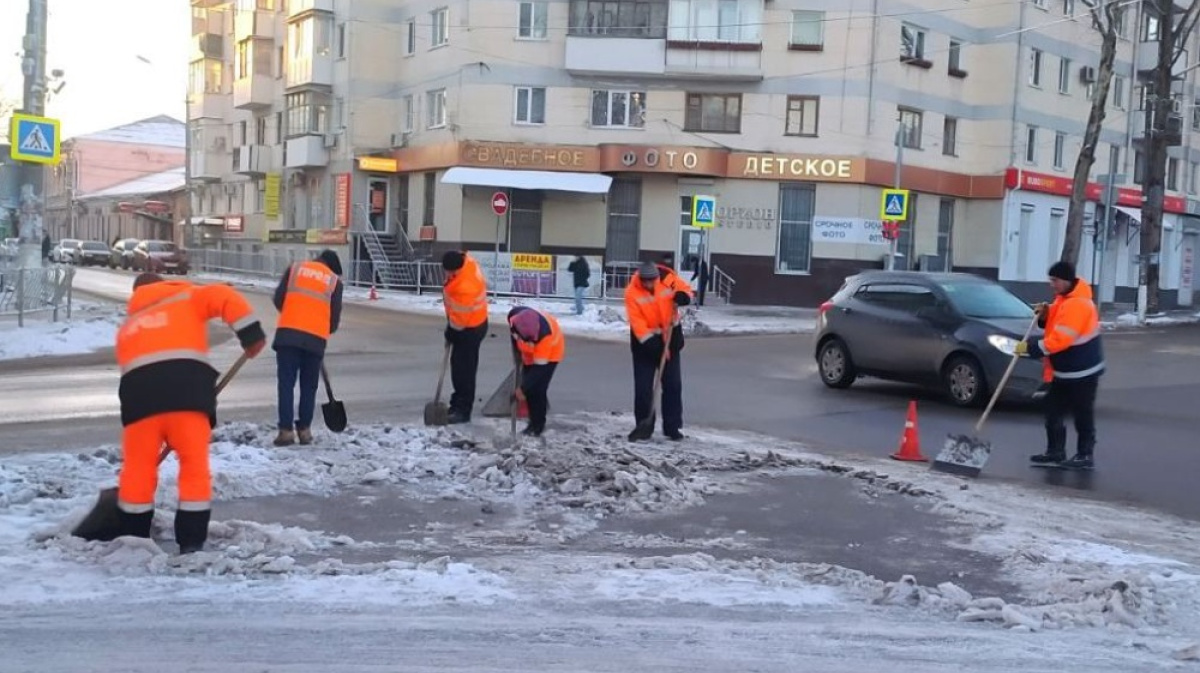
168 396
309 299
538 340
652 308
465 297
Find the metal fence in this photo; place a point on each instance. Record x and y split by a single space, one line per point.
25 292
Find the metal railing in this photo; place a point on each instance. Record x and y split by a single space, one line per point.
27 291
723 284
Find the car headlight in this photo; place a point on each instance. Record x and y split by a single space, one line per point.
1006 345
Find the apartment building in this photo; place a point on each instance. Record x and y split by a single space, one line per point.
328 121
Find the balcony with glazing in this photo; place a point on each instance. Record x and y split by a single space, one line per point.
309 56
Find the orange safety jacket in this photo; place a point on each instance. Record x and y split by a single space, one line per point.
1071 346
550 345
162 347
649 313
307 304
465 296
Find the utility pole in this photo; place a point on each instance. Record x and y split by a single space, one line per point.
32 176
894 246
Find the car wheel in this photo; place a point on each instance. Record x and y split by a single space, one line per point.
964 380
834 364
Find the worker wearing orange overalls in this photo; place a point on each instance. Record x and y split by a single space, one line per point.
168 396
309 299
651 306
539 341
465 298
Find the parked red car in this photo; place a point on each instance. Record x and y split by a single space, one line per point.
160 257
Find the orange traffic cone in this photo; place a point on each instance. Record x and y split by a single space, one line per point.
374 295
910 441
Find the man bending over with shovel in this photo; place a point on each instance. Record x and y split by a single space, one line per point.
168 396
539 340
656 339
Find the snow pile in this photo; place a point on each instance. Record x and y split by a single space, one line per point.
92 327
1155 320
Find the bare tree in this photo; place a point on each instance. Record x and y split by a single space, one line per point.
1107 16
1174 27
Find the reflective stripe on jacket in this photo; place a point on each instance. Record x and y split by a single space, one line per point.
550 345
1071 345
465 296
307 304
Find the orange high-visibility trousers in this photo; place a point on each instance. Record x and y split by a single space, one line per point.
188 434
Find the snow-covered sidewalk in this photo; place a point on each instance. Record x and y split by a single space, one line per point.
1101 587
1130 320
92 327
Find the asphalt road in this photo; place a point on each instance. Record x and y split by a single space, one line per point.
384 364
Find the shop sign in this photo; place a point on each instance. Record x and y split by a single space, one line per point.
669 159
795 167
378 165
1015 178
234 224
529 157
271 198
341 201
737 217
287 236
526 262
326 237
848 230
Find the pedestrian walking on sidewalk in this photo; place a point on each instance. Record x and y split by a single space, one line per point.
651 308
1072 363
581 275
309 299
168 397
465 298
539 341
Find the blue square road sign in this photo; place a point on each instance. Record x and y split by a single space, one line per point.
704 211
35 139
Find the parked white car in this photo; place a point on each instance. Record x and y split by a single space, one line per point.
64 252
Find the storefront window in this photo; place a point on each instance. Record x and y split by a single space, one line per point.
793 250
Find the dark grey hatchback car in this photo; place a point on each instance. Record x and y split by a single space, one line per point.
952 331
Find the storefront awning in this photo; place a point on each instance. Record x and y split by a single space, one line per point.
1135 215
586 183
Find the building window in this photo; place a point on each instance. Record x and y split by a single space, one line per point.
428 218
206 76
530 105
307 39
954 63
910 128
307 113
410 114
802 115
439 26
260 131
1058 231
945 233
715 21
1193 177
1064 75
435 106
1118 92
618 109
1150 27
1172 174
793 249
1035 67
808 31
1039 3
620 18
253 58
713 113
532 20
410 45
1031 133
1139 168
950 137
1196 114
1068 7
1060 146
912 43
340 40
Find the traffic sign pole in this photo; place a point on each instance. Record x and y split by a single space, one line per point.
32 198
500 208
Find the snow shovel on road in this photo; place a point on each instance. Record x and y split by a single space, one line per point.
438 412
103 523
333 411
645 427
967 454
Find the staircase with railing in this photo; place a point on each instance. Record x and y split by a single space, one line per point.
722 284
393 261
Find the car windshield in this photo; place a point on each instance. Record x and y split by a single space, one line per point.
986 300
155 246
94 245
69 243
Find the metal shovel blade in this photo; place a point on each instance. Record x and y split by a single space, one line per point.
103 523
963 455
437 413
334 413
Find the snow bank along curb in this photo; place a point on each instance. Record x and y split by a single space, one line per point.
1130 320
92 327
1072 573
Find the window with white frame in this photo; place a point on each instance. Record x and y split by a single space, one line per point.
715 21
1031 139
340 40
439 27
435 109
802 115
530 105
793 250
1151 27
531 20
954 62
910 128
912 43
1060 149
307 113
1035 67
618 109
1064 75
808 30
1118 92
410 114
950 137
410 44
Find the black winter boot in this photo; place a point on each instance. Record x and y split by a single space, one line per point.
191 530
136 525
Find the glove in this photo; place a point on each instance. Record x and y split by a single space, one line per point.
1022 348
1041 309
682 298
449 335
255 348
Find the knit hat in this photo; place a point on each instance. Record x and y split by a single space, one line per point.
330 259
1063 271
527 324
648 271
453 260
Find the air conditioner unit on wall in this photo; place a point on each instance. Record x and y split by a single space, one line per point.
1087 74
330 141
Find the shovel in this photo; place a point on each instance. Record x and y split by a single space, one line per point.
103 523
513 402
967 454
333 411
438 412
645 428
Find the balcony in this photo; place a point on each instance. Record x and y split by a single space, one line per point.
208 45
206 166
307 152
1147 57
729 61
314 71
616 55
663 58
298 7
254 92
254 24
208 106
253 160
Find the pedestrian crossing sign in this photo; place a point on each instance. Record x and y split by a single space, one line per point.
35 139
894 204
704 211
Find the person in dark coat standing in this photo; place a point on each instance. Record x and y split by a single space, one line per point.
581 275
46 245
700 279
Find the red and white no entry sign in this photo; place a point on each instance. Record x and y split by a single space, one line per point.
499 203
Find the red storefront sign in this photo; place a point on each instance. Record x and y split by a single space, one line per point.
341 201
1016 178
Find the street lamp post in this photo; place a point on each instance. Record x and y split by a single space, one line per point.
32 194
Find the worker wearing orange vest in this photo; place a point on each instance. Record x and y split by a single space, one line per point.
539 341
652 307
465 298
168 396
309 299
